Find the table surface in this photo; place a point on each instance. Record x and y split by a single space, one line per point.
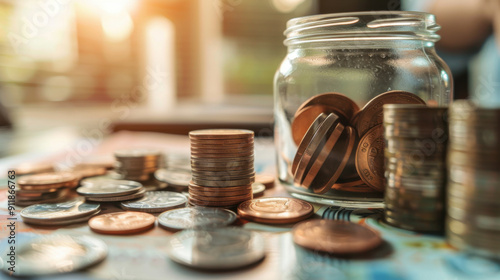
403 255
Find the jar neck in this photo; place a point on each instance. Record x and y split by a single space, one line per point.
354 44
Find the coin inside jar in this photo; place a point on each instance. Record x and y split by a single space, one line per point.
335 236
275 210
370 158
122 222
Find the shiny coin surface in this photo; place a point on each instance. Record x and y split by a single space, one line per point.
308 136
122 222
216 249
370 158
221 134
258 189
56 254
196 217
335 236
50 178
109 188
275 210
224 183
156 202
174 177
136 195
59 211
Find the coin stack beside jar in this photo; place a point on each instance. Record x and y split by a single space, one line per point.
222 166
415 171
44 187
473 208
137 164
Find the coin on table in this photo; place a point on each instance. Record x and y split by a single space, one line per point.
55 254
210 134
216 248
266 179
136 195
372 113
335 236
33 168
196 217
156 202
122 222
275 210
370 158
258 189
107 188
50 178
69 210
308 136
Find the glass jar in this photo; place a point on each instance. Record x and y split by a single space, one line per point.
360 55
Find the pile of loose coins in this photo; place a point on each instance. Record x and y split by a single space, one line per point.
473 208
44 187
222 166
340 146
415 168
62 213
111 190
137 164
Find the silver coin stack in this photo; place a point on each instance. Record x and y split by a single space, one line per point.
111 190
137 164
473 220
415 171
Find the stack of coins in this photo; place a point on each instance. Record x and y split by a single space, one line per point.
111 190
44 187
222 166
340 147
63 213
473 208
137 164
156 202
416 142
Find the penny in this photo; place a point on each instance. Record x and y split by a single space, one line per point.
216 248
33 168
41 195
50 178
223 203
275 210
196 187
372 113
223 134
223 165
220 192
258 189
229 173
216 147
174 177
306 140
222 142
266 179
196 217
335 236
67 210
354 186
139 194
224 183
158 201
304 120
235 198
314 148
129 222
74 253
370 158
109 188
221 150
202 156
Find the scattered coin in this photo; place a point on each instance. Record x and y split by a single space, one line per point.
370 158
109 188
154 202
48 180
196 218
122 222
258 189
136 195
335 236
73 253
64 212
266 179
216 248
308 136
275 210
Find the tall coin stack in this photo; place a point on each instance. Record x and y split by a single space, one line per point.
415 171
222 166
137 164
473 207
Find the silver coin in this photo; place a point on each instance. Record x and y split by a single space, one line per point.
196 217
108 188
62 222
156 202
55 254
68 210
258 189
217 248
136 195
174 177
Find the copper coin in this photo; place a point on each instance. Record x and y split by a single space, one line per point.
215 189
338 103
372 113
335 236
223 134
33 168
236 198
266 179
275 210
303 120
314 147
84 172
122 222
219 192
306 140
258 189
195 160
200 156
242 168
370 158
224 183
335 163
50 178
221 142
215 203
203 145
222 150
356 186
323 155
229 172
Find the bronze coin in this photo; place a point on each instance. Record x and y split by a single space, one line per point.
225 177
335 163
220 146
314 147
221 142
217 189
49 178
202 151
200 156
33 168
323 155
208 160
370 158
335 236
275 210
355 186
224 183
223 168
224 134
219 192
266 179
372 113
215 203
306 140
229 172
236 198
122 222
303 120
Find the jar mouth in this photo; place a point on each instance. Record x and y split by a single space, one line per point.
381 25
